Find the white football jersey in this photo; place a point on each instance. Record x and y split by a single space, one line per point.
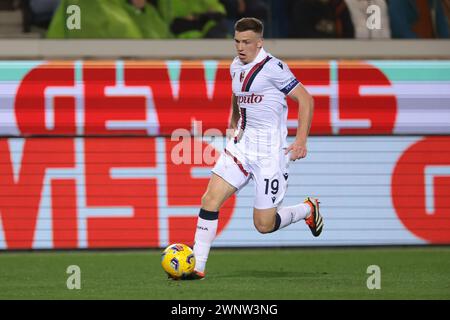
260 88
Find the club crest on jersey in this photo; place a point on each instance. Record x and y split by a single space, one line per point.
241 78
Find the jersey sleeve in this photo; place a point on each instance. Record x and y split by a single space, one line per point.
282 77
232 68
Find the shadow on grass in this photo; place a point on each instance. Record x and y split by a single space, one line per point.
270 274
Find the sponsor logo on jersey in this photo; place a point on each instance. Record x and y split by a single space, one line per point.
241 78
250 99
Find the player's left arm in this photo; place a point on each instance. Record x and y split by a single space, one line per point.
305 113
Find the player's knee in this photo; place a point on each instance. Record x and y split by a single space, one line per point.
263 227
264 220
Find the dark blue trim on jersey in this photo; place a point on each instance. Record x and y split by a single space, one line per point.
290 86
255 73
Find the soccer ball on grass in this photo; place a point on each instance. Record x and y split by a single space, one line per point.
178 261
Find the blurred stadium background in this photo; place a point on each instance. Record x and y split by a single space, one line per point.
86 118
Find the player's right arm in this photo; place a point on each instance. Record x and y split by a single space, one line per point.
235 114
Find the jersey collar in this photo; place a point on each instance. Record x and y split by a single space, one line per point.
260 57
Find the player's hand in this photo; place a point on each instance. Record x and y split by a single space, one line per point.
297 149
230 133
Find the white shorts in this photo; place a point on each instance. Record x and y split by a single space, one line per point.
270 174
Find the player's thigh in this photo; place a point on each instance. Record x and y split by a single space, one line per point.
217 192
270 189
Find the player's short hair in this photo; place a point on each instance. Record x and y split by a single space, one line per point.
252 24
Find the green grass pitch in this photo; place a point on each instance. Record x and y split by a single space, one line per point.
313 273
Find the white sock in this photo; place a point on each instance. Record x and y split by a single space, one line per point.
293 214
204 236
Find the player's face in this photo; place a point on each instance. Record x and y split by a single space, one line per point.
248 43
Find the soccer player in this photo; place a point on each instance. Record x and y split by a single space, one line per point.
258 151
